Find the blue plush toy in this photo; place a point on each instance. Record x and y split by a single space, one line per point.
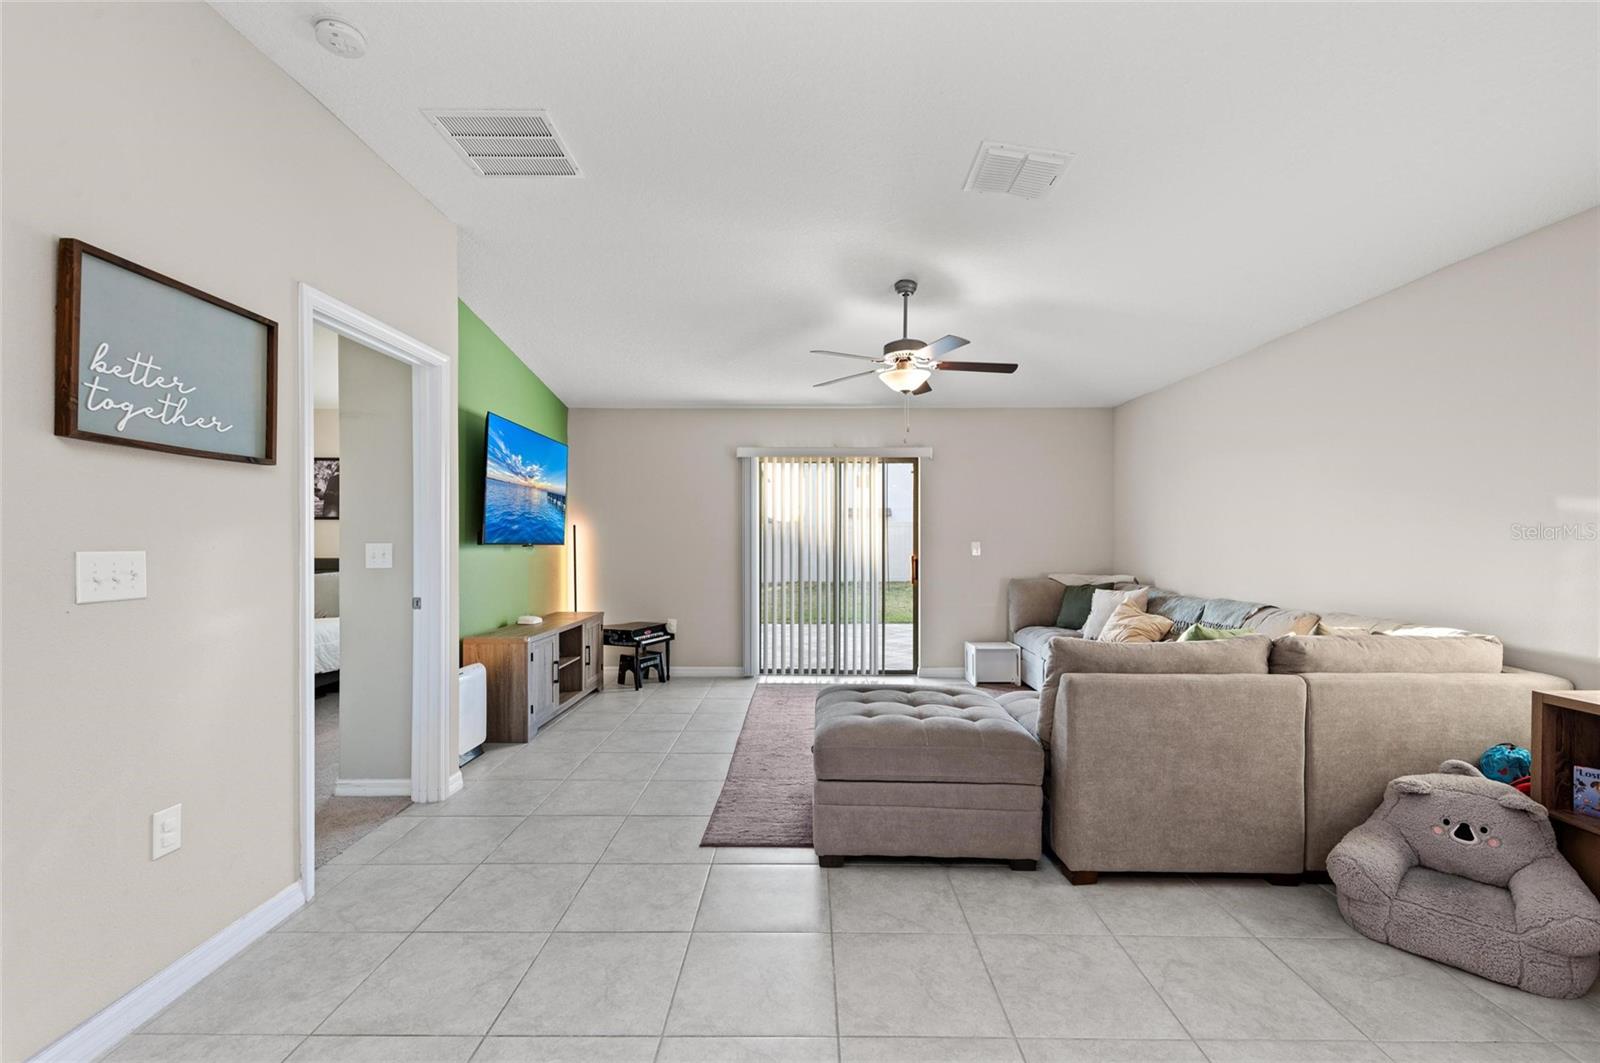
1506 763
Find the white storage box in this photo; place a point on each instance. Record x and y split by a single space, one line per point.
994 662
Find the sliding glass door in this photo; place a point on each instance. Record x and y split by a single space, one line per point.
836 565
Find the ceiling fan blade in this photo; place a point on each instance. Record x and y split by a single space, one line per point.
841 354
979 367
851 376
943 345
924 389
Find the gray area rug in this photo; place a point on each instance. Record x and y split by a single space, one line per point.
766 798
342 821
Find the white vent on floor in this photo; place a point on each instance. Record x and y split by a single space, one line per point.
1008 169
506 143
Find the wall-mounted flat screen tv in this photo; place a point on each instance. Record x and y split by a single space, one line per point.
524 486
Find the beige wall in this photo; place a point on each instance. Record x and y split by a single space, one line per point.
655 494
375 615
325 442
1381 460
156 132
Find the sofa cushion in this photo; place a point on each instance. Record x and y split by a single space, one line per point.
1023 705
921 735
1075 603
1244 655
1303 654
1075 579
1273 622
1129 623
1033 603
1358 624
1106 602
1202 633
1036 640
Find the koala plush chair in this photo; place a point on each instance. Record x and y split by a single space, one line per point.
1464 870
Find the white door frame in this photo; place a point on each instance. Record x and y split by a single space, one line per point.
434 775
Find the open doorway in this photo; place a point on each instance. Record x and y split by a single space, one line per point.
376 695
361 602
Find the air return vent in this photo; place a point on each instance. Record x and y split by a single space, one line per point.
1008 169
506 143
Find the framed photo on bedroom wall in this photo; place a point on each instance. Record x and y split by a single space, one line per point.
146 361
325 488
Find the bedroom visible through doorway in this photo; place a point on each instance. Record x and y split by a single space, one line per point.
362 589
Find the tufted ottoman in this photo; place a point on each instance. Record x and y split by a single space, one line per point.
925 772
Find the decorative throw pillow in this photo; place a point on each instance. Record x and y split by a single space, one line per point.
1105 603
1202 633
1129 623
1075 604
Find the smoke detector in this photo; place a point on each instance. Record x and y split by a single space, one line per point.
506 143
340 38
1014 171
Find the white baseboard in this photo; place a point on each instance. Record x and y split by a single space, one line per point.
455 785
372 788
942 673
138 1006
703 671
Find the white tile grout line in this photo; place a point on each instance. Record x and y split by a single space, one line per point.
683 961
982 959
1267 944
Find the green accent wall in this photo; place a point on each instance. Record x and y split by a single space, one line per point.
500 583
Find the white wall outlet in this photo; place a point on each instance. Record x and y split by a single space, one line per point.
166 831
110 575
380 555
977 548
672 625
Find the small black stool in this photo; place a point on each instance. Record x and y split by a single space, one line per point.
639 664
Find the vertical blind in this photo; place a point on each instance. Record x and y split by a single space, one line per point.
821 561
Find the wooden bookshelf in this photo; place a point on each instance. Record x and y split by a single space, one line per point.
1566 732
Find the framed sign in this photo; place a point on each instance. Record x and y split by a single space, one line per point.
145 361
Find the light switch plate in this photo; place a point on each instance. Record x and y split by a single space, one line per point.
977 548
166 831
109 575
380 555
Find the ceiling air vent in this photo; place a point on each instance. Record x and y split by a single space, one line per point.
506 143
1008 169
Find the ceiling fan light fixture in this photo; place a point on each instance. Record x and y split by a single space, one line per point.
905 378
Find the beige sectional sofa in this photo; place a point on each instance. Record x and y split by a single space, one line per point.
1257 753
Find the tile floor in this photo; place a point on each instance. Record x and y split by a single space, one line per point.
560 908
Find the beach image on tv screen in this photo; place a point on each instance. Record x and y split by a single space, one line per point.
525 486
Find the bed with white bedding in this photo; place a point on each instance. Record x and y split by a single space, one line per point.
325 623
325 644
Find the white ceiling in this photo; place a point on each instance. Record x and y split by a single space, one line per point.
757 176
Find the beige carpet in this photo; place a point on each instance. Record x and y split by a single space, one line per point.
342 821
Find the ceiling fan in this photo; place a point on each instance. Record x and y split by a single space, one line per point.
907 364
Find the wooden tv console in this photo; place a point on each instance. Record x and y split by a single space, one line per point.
538 671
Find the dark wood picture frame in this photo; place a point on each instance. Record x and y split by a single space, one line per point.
69 294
